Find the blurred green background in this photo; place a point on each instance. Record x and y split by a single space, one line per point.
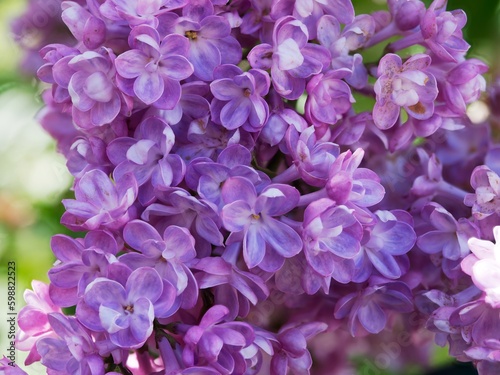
33 177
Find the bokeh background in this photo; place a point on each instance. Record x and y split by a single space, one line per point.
33 177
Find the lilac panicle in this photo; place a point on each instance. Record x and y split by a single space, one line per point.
235 201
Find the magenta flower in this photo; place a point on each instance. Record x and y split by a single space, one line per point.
154 66
126 311
291 58
99 203
405 85
84 26
250 219
484 201
239 98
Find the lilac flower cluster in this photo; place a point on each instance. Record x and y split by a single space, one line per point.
242 216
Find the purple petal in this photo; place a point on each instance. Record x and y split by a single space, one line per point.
281 237
149 87
253 247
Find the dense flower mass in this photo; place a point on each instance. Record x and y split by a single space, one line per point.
242 213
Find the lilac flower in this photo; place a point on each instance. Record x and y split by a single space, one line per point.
353 186
449 237
331 237
312 158
79 263
182 209
155 66
138 12
96 99
33 319
291 351
366 309
403 85
233 288
384 243
73 351
238 98
483 265
250 219
486 184
86 154
100 204
126 311
84 26
208 177
171 256
309 11
291 58
329 97
147 156
210 42
217 343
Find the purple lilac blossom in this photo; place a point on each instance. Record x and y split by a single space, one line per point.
403 85
153 68
235 201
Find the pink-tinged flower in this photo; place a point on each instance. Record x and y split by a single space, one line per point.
72 350
138 12
147 156
79 262
8 367
126 310
99 203
367 310
217 343
406 86
170 254
210 41
291 58
331 236
96 99
154 67
310 11
384 244
33 321
250 219
448 236
484 201
329 97
238 98
483 265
